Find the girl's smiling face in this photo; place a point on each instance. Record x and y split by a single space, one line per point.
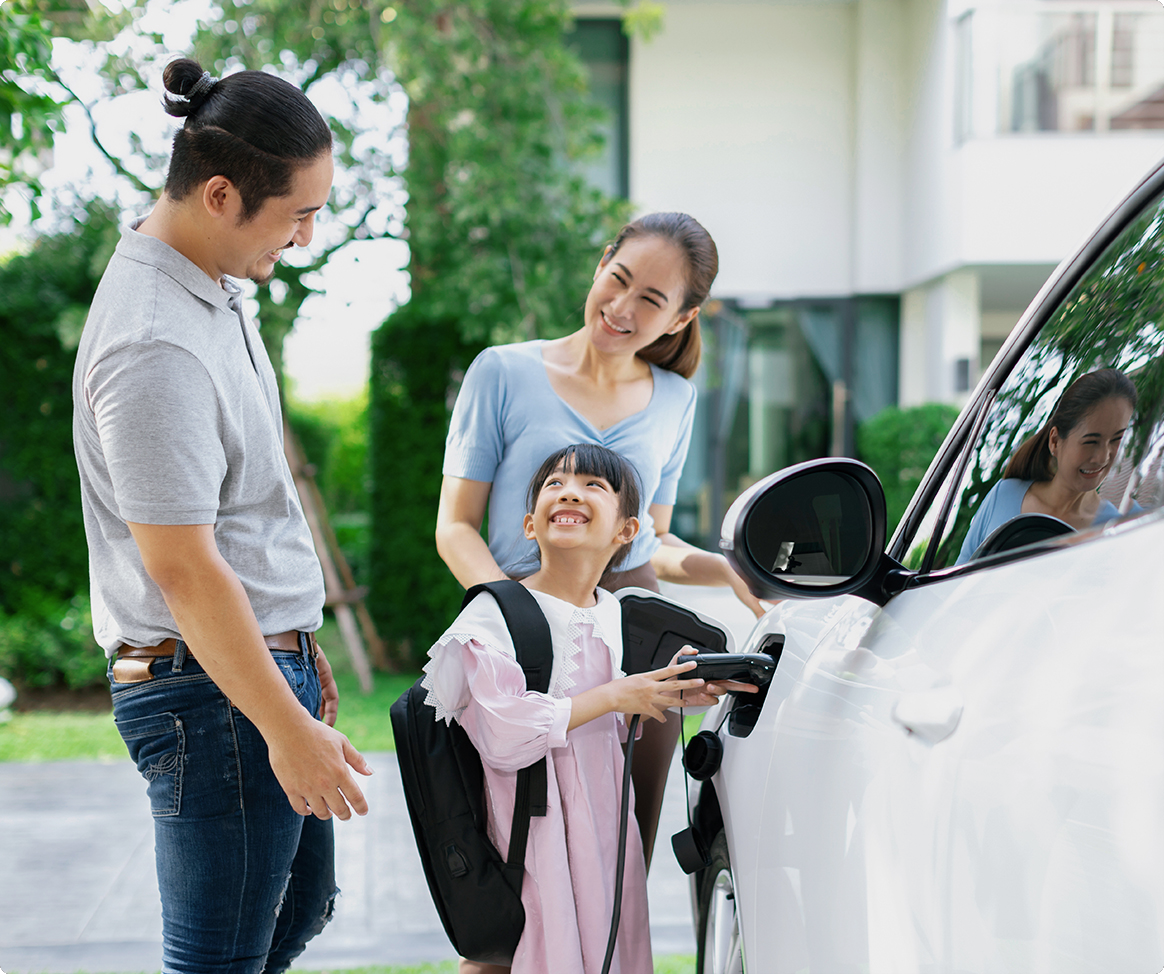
1086 453
637 295
578 511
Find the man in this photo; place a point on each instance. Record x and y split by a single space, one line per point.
206 587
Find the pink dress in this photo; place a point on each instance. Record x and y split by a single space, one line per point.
568 890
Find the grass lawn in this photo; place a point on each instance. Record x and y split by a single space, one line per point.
65 736
72 736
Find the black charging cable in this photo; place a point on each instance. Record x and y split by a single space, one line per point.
624 815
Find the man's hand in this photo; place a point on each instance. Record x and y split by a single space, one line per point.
312 764
311 760
328 691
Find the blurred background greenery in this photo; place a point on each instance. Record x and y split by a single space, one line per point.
501 252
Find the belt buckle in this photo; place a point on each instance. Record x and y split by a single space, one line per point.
131 670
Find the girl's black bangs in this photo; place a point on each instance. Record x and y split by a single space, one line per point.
592 461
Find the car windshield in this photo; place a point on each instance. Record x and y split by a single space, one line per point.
1113 319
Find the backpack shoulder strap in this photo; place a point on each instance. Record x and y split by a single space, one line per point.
535 653
527 626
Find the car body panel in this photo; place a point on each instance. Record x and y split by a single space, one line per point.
1024 834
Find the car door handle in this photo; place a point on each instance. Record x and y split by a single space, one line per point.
931 714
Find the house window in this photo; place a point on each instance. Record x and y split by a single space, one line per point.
605 51
1058 67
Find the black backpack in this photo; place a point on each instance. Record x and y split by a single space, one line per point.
476 892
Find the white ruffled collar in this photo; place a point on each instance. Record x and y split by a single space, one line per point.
481 620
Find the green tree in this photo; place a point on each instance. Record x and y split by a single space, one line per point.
29 115
503 234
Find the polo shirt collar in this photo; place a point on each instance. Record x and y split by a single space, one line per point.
144 249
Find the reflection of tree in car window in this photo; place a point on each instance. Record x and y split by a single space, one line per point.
1114 317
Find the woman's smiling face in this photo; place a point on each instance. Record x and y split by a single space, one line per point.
1086 453
637 296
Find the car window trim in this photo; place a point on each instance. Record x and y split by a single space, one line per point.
956 483
1054 291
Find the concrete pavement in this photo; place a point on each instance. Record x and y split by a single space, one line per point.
78 890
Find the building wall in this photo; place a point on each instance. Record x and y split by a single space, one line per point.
817 142
743 115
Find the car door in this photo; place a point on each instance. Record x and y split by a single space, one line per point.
971 775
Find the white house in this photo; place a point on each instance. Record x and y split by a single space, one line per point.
889 183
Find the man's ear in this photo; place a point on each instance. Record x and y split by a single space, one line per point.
628 531
219 196
527 526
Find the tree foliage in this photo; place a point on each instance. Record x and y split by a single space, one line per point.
28 114
503 234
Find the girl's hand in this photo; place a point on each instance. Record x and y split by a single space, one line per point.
650 694
708 695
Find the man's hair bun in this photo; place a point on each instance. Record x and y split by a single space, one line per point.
187 87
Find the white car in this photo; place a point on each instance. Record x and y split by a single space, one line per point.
956 768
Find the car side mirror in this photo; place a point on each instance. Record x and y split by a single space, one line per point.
813 530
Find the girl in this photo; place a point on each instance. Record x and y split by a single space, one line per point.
582 505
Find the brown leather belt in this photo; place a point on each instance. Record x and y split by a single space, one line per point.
131 664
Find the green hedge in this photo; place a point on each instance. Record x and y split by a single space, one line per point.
899 445
49 642
45 637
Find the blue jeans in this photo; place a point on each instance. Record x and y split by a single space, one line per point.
245 881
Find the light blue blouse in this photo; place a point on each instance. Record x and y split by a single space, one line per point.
1004 501
507 419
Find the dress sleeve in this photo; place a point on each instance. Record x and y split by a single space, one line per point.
510 726
476 441
668 488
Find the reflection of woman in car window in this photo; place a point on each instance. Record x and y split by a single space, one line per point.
1058 470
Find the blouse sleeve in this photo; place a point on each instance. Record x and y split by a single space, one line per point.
475 443
510 726
668 488
976 533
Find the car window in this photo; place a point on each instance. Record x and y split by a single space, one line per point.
1114 318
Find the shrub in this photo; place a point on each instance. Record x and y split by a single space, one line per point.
899 445
334 437
49 642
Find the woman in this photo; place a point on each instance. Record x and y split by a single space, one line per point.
620 381
1058 471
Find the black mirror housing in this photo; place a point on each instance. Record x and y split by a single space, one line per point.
813 530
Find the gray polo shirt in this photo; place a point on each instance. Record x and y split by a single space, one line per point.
176 420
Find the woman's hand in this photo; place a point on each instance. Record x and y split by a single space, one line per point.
707 695
677 561
743 593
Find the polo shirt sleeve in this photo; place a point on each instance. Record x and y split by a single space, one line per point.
158 422
668 488
476 442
